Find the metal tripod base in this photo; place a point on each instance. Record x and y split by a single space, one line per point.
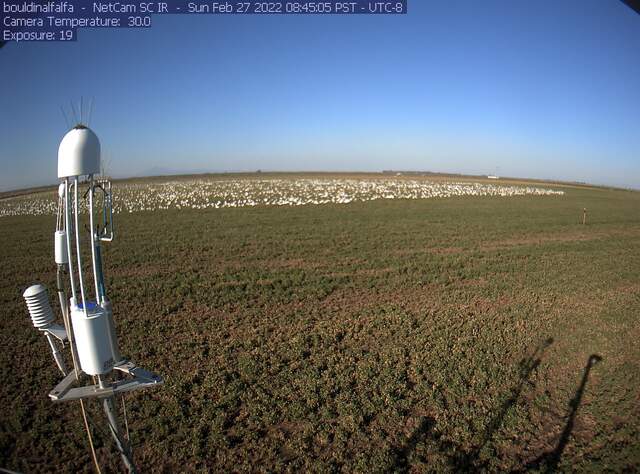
140 379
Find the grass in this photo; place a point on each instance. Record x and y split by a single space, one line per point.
429 335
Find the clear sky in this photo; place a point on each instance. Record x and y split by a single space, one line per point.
542 89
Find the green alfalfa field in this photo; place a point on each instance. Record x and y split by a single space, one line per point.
455 334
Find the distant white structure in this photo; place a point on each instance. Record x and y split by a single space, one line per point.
493 176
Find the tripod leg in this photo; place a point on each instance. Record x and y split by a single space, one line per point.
124 448
121 444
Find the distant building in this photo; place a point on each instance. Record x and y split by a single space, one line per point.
491 176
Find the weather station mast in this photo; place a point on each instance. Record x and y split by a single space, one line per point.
84 221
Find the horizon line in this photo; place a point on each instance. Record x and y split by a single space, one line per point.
396 173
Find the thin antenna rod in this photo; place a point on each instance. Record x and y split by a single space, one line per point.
64 114
81 116
75 116
90 112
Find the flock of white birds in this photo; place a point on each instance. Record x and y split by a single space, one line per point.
218 193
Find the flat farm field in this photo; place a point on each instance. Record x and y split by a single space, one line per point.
348 323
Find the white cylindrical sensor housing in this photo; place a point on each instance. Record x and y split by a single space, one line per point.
38 304
60 239
93 339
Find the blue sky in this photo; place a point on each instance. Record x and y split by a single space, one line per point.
531 89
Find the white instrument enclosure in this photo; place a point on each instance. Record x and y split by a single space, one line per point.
79 153
94 339
60 250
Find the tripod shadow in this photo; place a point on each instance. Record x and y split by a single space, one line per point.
549 461
469 461
401 461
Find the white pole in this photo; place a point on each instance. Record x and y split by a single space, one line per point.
68 225
77 211
93 243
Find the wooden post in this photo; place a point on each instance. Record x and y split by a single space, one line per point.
584 216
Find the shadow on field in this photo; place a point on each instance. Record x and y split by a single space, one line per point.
401 462
548 462
470 461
